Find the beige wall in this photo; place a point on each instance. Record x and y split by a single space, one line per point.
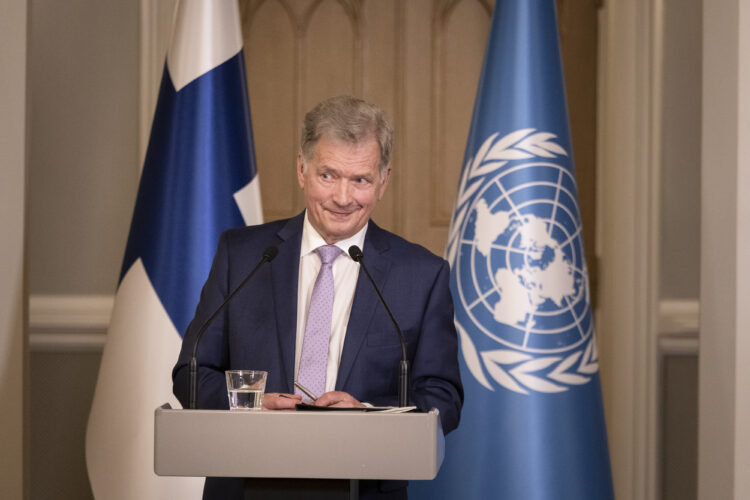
680 150
83 173
83 156
59 417
678 462
724 423
13 369
679 248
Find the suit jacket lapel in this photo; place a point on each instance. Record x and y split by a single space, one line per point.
285 275
365 299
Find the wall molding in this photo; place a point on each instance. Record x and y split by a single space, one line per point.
679 317
67 342
80 322
679 345
679 323
69 323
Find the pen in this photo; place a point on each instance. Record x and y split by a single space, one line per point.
307 391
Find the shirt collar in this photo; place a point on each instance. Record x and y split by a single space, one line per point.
311 239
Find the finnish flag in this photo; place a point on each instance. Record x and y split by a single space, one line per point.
199 179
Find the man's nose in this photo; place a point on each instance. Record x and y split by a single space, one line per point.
342 195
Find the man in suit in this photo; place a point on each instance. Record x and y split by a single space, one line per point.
274 323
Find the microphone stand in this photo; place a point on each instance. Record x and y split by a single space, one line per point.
268 256
403 377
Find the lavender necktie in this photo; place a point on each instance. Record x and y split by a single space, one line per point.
314 360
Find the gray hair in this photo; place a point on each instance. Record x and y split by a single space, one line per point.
351 120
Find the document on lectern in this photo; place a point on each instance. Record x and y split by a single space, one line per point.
380 409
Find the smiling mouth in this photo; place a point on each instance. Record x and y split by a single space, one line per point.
337 214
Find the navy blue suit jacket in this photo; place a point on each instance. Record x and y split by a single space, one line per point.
258 328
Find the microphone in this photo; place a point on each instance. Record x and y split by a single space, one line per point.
268 255
403 378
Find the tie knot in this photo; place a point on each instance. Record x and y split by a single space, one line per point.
328 253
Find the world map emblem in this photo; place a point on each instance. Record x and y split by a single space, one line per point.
519 276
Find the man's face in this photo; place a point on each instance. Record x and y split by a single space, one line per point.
342 185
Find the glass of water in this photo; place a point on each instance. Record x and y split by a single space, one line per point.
245 389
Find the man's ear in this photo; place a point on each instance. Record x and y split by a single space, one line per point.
384 183
300 170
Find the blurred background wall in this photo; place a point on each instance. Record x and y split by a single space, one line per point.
13 344
82 179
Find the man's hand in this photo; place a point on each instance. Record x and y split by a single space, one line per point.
279 401
338 399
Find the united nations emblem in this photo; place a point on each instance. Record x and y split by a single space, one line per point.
519 276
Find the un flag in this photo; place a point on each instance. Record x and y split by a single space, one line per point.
533 423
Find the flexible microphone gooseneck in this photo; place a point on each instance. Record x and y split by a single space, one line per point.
268 255
403 378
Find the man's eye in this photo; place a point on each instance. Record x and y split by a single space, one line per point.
362 180
325 176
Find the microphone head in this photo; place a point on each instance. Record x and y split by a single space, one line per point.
355 253
270 253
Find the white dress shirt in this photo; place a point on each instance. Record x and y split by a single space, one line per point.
345 273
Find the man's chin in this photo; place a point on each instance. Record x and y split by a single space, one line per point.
341 230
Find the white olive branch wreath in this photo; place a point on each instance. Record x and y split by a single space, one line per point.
514 370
